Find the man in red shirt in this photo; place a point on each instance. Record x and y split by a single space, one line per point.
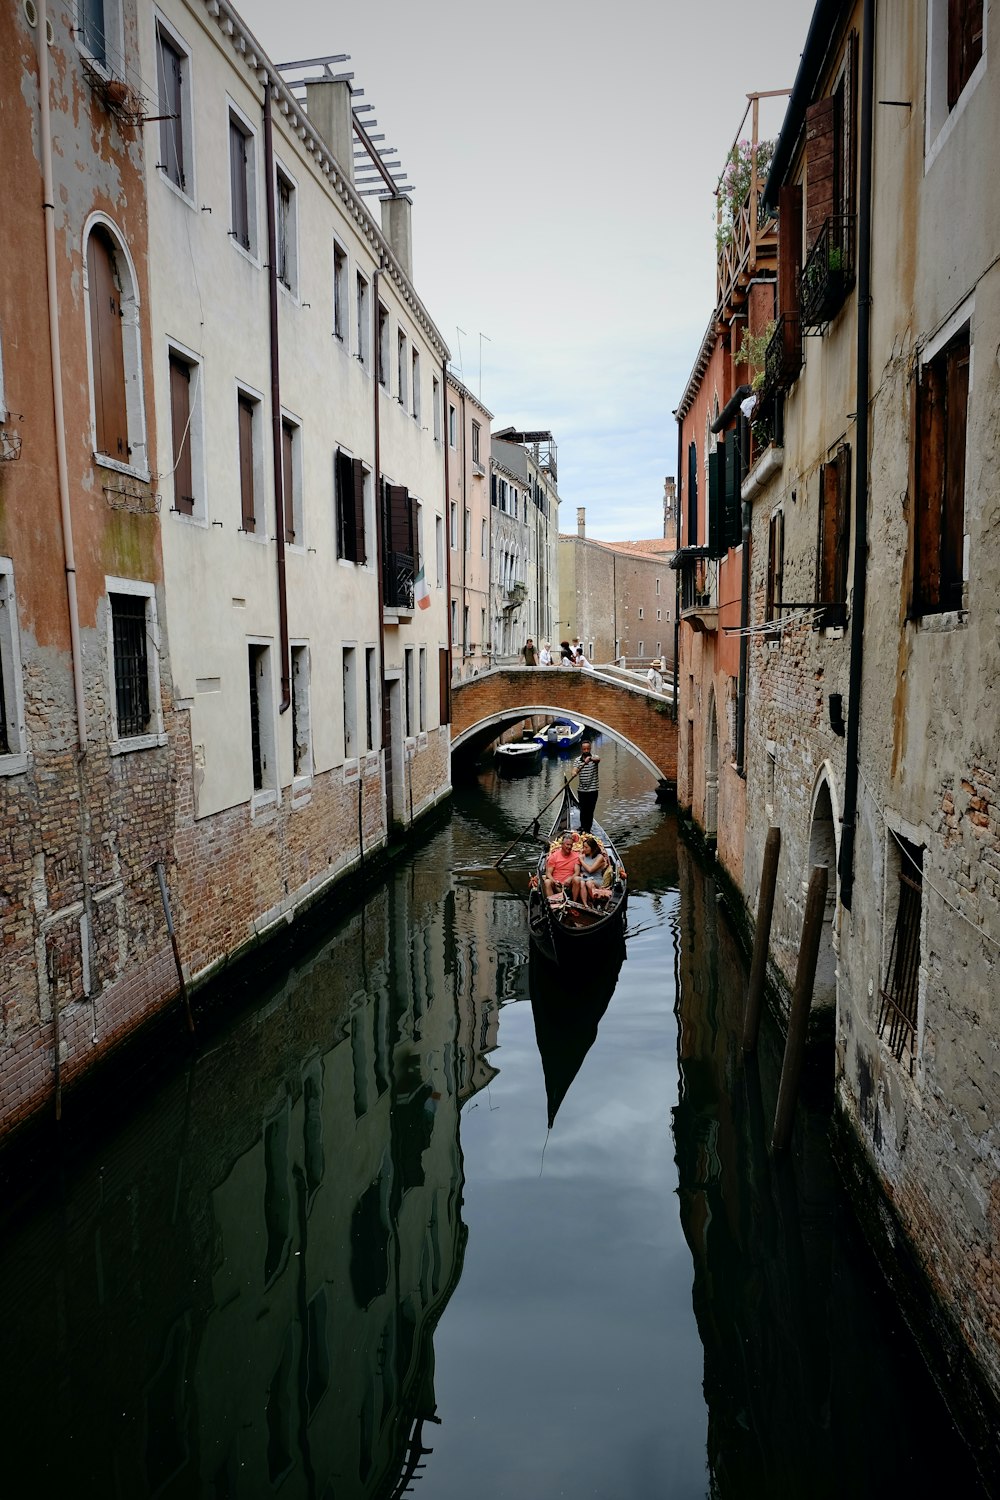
562 869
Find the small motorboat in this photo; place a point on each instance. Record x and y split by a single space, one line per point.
517 757
561 734
564 930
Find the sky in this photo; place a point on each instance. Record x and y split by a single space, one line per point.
564 158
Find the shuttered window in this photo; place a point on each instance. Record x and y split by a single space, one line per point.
692 482
247 495
350 508
170 77
239 182
939 512
107 351
444 686
830 149
285 231
834 537
965 44
732 524
775 565
288 431
716 492
180 424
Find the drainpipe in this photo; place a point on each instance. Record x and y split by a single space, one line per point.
55 350
741 693
849 819
276 434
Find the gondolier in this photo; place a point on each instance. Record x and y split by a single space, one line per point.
587 786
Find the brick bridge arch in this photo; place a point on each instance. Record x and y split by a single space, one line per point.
641 721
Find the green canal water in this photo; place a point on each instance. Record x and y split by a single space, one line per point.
339 1253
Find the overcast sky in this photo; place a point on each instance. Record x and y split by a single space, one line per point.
564 157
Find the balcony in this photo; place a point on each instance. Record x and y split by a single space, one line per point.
397 584
516 594
828 274
699 607
782 357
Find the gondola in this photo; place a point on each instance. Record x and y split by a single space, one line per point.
566 1025
564 931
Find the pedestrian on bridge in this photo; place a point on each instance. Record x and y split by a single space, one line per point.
587 786
529 653
545 655
654 678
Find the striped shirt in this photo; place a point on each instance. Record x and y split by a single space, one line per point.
587 780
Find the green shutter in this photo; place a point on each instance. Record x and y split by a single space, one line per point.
716 479
732 526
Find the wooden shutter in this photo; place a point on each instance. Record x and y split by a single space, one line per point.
180 423
444 686
843 524
288 479
238 184
790 274
716 485
692 481
956 376
284 215
107 350
345 506
246 463
168 68
400 520
965 44
358 480
834 534
820 126
930 488
732 524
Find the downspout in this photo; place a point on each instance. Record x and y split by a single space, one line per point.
55 350
741 693
276 434
850 815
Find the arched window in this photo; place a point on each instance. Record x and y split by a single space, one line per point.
119 432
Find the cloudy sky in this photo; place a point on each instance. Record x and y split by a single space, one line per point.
564 157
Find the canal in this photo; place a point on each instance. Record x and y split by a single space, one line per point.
340 1253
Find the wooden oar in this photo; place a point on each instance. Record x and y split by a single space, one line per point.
534 821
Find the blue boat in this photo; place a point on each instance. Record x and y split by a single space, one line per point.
561 734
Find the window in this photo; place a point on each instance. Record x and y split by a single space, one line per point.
248 413
351 745
301 715
175 125
465 629
897 1019
263 741
371 698
659 614
468 530
99 31
415 385
286 227
339 290
642 613
452 427
408 690
422 690
383 346
181 418
13 742
454 622
352 483
242 185
444 686
439 548
113 328
363 331
436 403
775 565
657 585
830 149
640 649
291 478
401 365
965 44
834 538
399 531
453 528
134 657
483 540
476 429
692 496
942 404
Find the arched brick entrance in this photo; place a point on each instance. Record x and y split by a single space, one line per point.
643 722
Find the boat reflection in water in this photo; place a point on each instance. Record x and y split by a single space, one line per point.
300 1234
567 1010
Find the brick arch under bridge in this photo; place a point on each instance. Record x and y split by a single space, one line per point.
643 722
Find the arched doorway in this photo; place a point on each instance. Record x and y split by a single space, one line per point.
823 851
712 772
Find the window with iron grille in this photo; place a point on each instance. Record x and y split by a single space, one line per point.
131 661
256 657
897 1019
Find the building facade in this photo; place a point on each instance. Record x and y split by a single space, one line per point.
617 597
469 539
524 569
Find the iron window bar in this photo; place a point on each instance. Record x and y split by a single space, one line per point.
898 1007
398 580
828 274
128 613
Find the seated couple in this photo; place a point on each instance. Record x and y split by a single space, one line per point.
584 874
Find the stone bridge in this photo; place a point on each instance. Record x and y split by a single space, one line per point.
643 722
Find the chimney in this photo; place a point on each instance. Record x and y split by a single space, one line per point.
669 506
396 226
328 106
581 520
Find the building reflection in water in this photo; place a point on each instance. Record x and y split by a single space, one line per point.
244 1286
795 1341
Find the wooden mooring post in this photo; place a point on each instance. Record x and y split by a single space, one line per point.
761 940
798 1020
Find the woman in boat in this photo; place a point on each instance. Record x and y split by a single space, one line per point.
593 865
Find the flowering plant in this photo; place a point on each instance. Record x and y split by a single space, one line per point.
734 184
